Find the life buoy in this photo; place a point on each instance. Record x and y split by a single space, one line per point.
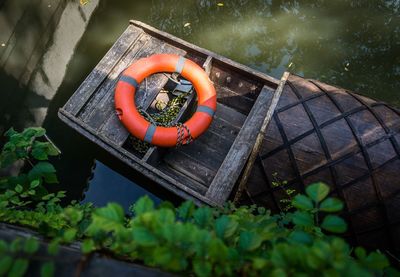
139 127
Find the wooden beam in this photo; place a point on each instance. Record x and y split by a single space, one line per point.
227 175
260 138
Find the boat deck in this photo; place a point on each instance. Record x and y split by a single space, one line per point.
193 171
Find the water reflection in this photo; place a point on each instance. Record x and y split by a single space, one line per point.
353 44
122 192
51 46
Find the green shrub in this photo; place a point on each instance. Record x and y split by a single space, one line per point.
226 241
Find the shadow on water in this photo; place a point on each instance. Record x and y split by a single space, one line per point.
49 48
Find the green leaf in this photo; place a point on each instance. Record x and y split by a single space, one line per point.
249 241
15 245
53 247
143 205
302 202
35 183
331 205
33 132
88 246
202 268
360 253
376 261
19 188
19 268
185 211
202 216
47 269
39 152
3 246
162 255
304 219
113 212
301 237
43 170
31 245
317 191
225 227
69 235
5 264
217 250
143 237
7 158
334 224
73 215
10 132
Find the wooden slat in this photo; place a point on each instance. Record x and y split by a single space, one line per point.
98 107
259 139
230 98
227 175
183 178
99 74
190 167
208 157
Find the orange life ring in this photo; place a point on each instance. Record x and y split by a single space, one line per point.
164 136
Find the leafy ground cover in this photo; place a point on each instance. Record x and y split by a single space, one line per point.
225 241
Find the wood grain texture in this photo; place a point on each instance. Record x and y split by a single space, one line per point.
99 74
227 175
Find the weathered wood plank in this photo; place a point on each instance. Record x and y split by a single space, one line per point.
234 162
230 98
230 115
93 111
185 164
97 76
183 178
260 138
207 156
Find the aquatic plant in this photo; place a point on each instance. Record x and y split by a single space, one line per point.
229 240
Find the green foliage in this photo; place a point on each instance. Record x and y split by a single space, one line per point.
28 188
16 256
204 241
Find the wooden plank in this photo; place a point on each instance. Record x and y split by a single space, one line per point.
231 99
94 109
216 142
185 164
260 138
230 115
227 175
189 182
99 74
245 70
207 156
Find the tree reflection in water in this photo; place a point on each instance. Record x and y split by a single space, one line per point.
353 44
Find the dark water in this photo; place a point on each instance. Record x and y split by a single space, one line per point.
49 47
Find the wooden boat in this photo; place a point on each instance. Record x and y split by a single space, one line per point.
316 132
